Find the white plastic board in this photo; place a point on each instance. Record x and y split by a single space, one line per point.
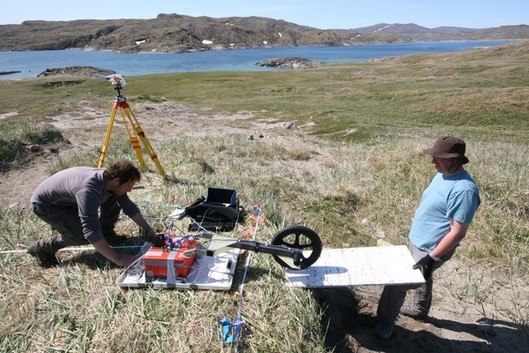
378 265
207 272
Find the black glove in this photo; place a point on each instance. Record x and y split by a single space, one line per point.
158 240
426 266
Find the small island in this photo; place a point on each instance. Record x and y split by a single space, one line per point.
85 71
289 63
8 72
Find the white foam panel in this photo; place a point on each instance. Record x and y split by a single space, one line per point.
380 265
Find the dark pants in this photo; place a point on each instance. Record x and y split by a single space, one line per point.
393 297
66 221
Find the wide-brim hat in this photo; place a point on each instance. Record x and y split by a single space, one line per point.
448 147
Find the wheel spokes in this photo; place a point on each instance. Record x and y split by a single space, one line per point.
299 237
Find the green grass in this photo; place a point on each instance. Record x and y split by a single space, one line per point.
357 175
16 137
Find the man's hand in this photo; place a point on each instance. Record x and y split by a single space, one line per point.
426 266
158 240
150 235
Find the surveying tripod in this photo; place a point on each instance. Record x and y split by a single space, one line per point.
134 131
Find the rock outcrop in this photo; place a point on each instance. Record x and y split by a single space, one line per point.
84 71
289 63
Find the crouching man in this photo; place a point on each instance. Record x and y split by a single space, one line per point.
83 204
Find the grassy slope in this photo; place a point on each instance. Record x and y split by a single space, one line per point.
370 122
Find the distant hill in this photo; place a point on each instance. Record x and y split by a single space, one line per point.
413 32
176 33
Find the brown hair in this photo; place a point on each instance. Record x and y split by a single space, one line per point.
124 170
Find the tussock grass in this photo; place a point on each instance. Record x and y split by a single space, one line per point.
356 176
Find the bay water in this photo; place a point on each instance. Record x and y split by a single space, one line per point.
32 63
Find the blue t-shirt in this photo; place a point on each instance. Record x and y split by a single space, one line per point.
447 197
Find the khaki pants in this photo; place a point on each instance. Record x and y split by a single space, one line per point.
393 297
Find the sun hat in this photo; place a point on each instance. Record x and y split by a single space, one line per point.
448 147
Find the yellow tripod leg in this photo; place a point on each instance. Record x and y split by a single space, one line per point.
133 136
139 132
107 137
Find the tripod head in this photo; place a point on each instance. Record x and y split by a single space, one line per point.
117 81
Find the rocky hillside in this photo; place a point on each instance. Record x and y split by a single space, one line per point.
413 32
175 33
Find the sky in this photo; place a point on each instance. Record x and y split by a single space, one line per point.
323 14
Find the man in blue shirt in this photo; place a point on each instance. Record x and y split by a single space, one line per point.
441 221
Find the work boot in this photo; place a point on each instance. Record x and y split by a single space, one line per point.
44 259
413 312
384 329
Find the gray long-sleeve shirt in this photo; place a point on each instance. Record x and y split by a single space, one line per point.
81 187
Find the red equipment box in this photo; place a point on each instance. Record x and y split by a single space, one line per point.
162 262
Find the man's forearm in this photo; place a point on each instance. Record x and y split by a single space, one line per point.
104 249
455 235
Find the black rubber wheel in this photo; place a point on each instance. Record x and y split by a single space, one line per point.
299 237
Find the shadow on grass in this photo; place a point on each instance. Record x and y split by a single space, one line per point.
349 323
